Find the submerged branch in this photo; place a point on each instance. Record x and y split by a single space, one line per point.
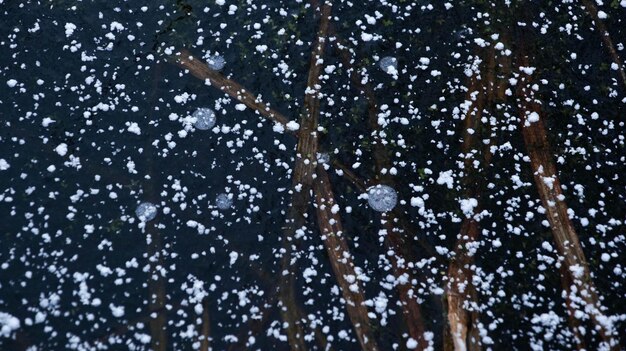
461 296
302 181
592 10
340 257
201 70
395 238
205 333
353 178
156 281
565 236
550 192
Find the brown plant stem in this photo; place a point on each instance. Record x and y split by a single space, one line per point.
302 180
338 251
200 70
574 323
156 281
564 234
549 187
461 295
592 10
395 238
205 333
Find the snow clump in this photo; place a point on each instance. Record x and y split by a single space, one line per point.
8 324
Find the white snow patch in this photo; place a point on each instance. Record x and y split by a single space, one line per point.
533 117
4 165
233 257
69 29
116 26
8 324
445 178
417 202
292 125
468 205
278 128
134 128
47 121
61 149
366 36
117 311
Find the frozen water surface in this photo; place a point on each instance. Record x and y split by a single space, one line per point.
489 125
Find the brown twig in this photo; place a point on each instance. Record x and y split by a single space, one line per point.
463 320
336 246
205 333
156 282
302 181
360 184
330 223
394 239
592 10
199 69
551 195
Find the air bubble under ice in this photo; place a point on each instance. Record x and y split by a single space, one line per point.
223 201
146 211
389 64
204 118
382 198
216 62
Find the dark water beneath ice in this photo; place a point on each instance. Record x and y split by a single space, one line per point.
92 125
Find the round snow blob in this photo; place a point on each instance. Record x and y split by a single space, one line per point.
204 118
382 198
146 211
389 64
216 62
223 201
